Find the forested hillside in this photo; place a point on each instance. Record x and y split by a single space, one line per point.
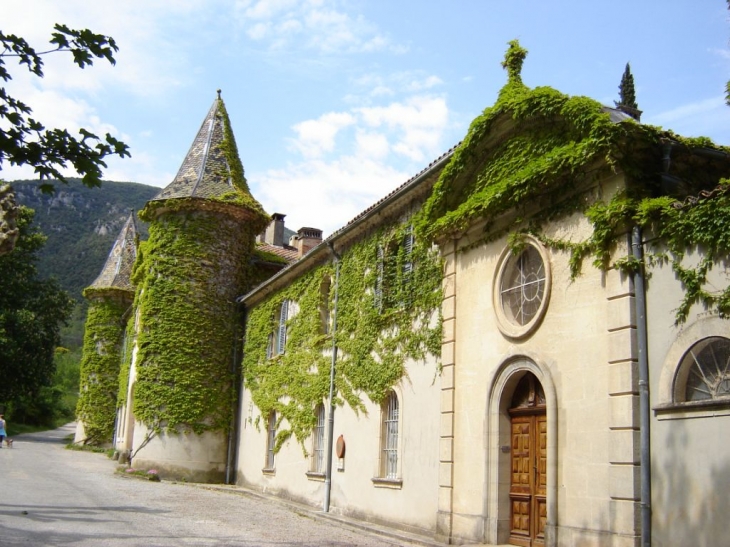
81 224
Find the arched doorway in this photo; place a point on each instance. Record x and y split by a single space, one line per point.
528 463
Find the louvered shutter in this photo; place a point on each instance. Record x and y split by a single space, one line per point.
380 277
270 347
408 241
281 339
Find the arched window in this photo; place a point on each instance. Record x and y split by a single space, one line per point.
704 372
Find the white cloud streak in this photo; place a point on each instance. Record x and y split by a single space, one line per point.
350 158
315 24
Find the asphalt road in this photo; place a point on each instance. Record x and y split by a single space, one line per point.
50 496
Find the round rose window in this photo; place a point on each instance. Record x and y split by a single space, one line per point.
522 289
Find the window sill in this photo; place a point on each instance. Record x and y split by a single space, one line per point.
380 482
315 476
693 409
269 471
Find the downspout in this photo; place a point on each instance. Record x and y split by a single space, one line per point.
637 251
331 425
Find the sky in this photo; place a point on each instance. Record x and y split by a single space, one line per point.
335 103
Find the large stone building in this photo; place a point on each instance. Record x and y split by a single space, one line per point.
524 344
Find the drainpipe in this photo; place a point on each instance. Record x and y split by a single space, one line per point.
637 251
331 425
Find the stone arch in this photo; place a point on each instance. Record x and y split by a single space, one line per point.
501 388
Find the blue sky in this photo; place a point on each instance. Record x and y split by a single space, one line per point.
334 103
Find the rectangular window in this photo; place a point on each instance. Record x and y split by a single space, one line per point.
318 441
389 456
270 441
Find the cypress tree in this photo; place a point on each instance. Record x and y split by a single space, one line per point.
627 94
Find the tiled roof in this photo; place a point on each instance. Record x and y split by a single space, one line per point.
290 255
117 271
204 172
410 182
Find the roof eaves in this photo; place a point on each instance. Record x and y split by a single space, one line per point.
317 253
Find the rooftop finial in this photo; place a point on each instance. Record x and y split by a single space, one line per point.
219 94
513 60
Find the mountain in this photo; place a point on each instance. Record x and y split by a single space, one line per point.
81 224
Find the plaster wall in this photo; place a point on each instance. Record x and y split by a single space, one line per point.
192 457
573 348
689 450
411 505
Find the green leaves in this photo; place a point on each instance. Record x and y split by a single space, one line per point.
26 141
31 313
375 338
84 45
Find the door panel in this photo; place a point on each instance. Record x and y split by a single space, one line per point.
529 479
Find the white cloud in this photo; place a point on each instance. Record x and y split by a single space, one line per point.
419 123
706 117
325 195
321 25
687 111
370 151
724 53
266 9
259 31
372 145
316 137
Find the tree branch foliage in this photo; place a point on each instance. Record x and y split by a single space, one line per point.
31 313
26 141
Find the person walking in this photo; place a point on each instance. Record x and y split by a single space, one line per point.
2 430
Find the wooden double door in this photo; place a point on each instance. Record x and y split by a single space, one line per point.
528 482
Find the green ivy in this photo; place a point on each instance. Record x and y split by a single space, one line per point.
188 274
100 361
374 341
527 159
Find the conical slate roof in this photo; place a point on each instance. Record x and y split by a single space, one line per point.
117 271
212 168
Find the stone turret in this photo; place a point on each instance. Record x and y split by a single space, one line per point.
110 299
189 273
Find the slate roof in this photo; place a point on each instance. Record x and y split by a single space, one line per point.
117 271
205 172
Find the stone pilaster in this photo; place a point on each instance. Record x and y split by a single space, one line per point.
446 441
623 393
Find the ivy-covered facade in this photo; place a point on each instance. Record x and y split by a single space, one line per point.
110 299
526 343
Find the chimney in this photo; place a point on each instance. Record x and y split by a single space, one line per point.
306 239
274 234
